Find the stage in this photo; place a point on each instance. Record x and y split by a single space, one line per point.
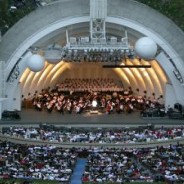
34 117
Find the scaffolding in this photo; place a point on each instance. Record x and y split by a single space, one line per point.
98 14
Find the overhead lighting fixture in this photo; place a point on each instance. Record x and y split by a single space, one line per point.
97 47
126 66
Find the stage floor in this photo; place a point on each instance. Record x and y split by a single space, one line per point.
31 116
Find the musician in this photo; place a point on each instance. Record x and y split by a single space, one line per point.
129 108
109 107
69 106
78 109
103 102
121 107
38 106
50 106
60 106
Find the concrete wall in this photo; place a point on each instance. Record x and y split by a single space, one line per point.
174 90
170 97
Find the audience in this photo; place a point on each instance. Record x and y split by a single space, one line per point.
36 162
167 162
119 165
115 165
96 135
136 165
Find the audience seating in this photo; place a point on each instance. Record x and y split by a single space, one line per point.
95 135
36 162
117 165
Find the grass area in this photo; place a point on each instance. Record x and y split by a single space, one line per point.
127 183
28 181
21 181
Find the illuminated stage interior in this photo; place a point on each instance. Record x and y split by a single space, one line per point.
152 79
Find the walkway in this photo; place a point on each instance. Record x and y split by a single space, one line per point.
78 171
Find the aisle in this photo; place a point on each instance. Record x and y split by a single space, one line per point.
78 171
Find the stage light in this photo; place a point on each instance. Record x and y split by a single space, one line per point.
35 63
146 48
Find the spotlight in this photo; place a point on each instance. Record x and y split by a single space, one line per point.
94 103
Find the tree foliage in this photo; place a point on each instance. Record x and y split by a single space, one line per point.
8 16
173 9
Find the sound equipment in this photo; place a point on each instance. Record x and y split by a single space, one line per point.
10 115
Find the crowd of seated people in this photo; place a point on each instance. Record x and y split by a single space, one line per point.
36 162
82 85
107 102
165 161
136 165
96 135
118 165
